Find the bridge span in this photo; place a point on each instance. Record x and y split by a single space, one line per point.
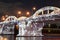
32 26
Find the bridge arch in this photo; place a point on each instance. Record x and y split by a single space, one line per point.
45 8
10 18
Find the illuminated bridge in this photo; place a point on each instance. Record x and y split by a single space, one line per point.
32 26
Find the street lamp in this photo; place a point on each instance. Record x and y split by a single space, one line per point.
28 13
34 8
19 13
3 18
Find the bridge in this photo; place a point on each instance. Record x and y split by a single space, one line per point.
32 26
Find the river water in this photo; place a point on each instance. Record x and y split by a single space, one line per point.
39 38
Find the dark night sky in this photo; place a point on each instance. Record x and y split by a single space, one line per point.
38 3
28 4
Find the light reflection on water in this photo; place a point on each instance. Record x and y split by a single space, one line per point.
39 38
29 38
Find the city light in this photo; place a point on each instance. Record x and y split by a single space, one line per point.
1 38
3 18
6 16
27 13
34 8
19 12
5 39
